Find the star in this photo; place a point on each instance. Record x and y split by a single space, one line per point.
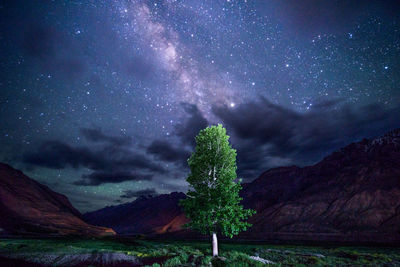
142 72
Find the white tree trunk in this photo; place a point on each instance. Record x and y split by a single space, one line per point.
215 245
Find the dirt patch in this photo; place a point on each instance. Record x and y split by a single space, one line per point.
346 255
18 262
117 264
76 260
98 259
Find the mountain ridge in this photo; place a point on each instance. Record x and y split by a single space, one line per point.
352 193
30 208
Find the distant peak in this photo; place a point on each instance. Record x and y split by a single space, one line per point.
392 137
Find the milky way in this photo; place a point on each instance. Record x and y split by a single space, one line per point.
188 82
101 100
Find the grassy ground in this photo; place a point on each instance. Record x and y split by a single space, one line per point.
75 252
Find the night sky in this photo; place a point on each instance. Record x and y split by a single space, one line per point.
101 100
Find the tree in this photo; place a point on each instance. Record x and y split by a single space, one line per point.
213 201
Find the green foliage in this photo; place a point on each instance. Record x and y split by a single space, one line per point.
206 261
175 261
178 253
213 202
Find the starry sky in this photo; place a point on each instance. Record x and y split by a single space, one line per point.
101 100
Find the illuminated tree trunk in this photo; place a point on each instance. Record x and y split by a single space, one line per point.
215 245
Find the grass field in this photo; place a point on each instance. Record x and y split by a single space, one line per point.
127 252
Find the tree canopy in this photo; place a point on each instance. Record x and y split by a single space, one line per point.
213 201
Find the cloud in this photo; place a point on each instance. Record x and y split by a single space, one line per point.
102 177
109 164
58 155
252 159
139 193
188 130
166 152
269 135
96 135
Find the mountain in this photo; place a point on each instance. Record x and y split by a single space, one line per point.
351 195
146 215
30 208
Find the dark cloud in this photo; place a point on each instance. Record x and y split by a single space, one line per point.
166 152
139 193
269 135
110 164
187 131
101 177
96 135
252 159
58 155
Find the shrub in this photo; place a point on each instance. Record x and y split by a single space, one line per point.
183 257
175 261
206 261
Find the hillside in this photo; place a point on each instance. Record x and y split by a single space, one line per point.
30 208
145 215
351 195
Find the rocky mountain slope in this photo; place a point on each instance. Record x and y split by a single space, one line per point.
351 195
145 215
30 208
